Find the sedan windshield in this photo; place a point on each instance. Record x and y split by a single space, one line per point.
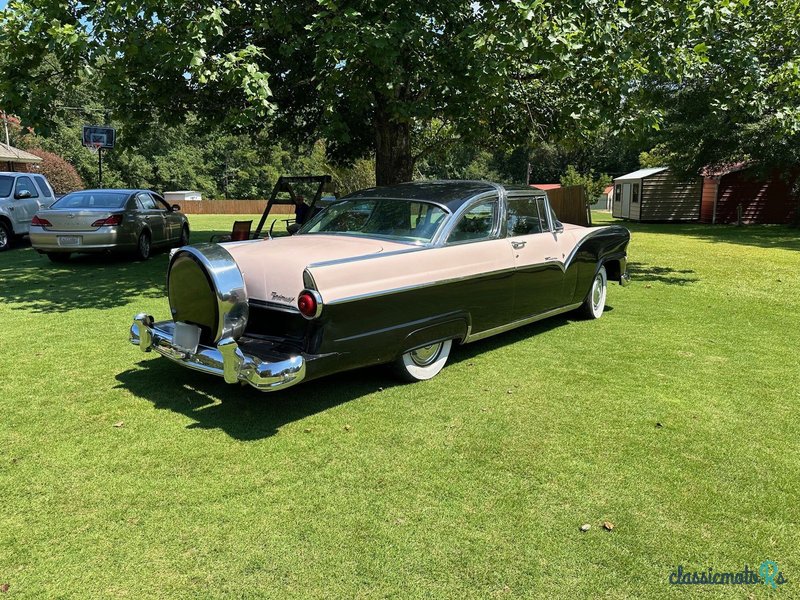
78 200
402 220
5 185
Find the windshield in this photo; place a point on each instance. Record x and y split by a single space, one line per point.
402 220
107 200
5 185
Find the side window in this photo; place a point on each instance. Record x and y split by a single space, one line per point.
161 204
618 193
146 201
541 204
41 183
635 193
523 216
475 224
25 183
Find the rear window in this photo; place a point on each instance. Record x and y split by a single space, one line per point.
79 200
6 184
42 185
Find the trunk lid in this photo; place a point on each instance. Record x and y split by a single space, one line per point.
75 220
273 269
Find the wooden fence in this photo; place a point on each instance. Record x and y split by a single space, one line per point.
570 204
231 207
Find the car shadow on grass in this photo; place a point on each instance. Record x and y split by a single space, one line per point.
246 414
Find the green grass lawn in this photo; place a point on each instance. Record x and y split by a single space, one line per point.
675 417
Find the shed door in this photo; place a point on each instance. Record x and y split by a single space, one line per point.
626 200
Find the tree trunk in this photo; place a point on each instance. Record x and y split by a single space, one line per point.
393 160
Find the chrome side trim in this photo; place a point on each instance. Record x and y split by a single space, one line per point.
351 259
417 286
226 360
274 306
472 337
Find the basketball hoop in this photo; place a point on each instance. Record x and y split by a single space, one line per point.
94 147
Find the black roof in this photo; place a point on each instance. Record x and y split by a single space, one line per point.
452 194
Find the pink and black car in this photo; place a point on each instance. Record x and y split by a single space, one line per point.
386 275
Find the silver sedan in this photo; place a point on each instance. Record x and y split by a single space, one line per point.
104 220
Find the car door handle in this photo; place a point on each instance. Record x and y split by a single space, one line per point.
518 245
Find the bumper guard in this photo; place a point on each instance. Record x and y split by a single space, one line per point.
226 360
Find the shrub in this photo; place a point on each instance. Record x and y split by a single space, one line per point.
61 174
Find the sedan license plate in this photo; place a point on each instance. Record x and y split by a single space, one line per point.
186 337
69 240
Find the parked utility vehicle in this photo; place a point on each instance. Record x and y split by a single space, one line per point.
22 195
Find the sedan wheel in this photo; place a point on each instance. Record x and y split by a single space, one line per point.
595 302
423 363
5 237
143 246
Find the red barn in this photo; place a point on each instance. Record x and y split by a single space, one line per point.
762 199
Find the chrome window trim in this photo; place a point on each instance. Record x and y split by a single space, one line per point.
498 229
516 194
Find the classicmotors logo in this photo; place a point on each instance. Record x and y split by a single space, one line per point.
767 573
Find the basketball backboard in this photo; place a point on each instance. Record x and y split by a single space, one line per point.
99 136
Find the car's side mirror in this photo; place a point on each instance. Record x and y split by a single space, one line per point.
559 227
22 194
176 207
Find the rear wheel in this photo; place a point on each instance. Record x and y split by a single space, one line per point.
595 302
6 236
143 246
423 363
184 236
58 257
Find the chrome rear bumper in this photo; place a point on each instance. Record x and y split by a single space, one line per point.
225 360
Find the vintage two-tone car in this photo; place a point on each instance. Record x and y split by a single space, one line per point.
91 221
387 275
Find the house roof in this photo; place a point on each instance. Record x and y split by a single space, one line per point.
608 189
721 170
11 154
546 186
641 173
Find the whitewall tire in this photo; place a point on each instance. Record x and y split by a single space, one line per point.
595 302
423 363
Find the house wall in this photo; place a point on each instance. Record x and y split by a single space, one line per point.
710 185
19 167
762 200
664 197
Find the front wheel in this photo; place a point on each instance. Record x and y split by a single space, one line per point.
595 302
143 246
423 363
6 236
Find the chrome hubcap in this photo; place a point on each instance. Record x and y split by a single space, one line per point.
426 355
597 292
3 238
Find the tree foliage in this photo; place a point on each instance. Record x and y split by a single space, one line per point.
593 185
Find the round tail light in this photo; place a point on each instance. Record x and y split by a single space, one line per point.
309 303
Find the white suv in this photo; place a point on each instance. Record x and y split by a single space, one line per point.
22 195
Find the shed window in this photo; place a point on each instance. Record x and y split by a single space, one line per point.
635 193
618 193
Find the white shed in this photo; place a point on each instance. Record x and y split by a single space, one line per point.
182 196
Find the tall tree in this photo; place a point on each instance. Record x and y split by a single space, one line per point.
363 74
